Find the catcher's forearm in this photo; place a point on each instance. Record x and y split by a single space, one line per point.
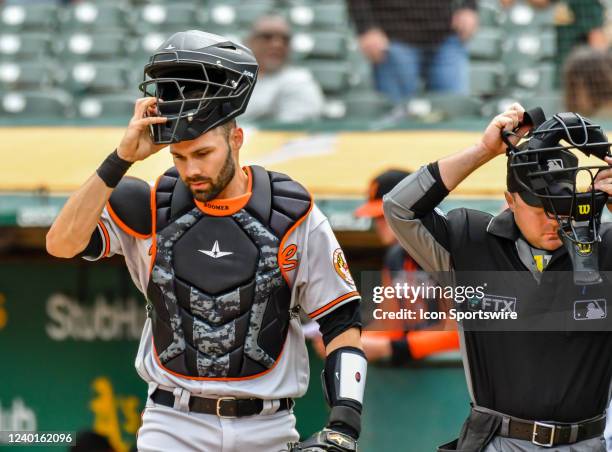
77 220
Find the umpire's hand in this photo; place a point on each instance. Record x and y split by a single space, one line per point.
137 144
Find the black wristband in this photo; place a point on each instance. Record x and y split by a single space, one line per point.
112 169
400 352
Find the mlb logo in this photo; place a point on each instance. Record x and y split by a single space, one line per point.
590 309
554 164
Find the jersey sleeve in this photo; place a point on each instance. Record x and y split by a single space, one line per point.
323 280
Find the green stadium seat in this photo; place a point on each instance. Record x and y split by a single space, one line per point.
539 78
145 45
114 106
25 46
486 78
160 16
444 106
333 77
27 75
96 46
522 15
319 44
92 77
250 11
330 16
486 44
550 102
90 17
35 17
39 104
489 14
358 105
532 46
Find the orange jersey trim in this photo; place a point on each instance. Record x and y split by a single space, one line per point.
222 207
124 227
333 303
106 239
250 377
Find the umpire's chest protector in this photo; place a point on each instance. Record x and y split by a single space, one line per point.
220 303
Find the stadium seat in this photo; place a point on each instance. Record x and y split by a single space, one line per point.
444 105
225 13
93 17
486 44
96 46
27 75
489 13
25 46
523 15
39 104
160 17
323 16
550 102
486 78
532 46
358 105
333 77
35 17
145 45
319 44
539 78
114 106
107 77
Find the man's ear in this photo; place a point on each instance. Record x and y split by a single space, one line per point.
236 138
510 200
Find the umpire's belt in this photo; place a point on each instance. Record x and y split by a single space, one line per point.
548 434
225 407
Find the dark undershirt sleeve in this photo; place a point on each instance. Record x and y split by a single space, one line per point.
339 320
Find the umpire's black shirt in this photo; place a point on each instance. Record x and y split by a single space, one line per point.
560 375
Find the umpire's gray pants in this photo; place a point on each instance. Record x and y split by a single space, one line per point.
501 444
166 429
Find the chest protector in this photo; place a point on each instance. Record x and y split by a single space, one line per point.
220 304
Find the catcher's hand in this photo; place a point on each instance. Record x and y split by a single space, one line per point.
325 440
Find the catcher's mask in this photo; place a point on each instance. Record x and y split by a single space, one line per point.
544 171
200 80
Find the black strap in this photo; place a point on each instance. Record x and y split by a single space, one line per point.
534 117
223 407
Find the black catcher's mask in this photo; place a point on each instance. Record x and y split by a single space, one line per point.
201 80
544 171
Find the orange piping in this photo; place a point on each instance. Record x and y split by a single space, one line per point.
333 303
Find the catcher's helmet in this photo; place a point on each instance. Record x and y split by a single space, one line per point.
544 171
201 80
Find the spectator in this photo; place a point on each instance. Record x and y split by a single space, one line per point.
283 93
587 82
405 39
578 22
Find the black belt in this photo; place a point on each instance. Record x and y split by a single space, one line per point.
549 434
226 407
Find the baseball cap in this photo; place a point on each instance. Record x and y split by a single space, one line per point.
379 186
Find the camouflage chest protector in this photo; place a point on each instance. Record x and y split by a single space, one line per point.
220 305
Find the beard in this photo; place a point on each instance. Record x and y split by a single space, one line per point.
216 185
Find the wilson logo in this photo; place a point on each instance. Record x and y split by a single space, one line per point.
584 209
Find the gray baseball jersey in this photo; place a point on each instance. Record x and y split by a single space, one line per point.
320 282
